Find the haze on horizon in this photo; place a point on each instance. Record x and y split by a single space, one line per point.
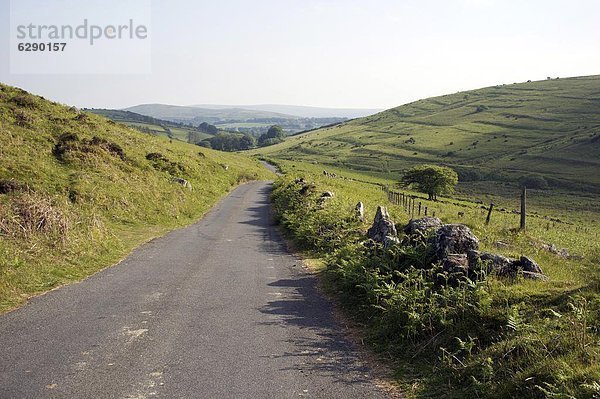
335 53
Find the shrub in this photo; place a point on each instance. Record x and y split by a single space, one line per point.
29 214
24 101
534 181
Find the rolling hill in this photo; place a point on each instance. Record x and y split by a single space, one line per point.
148 124
78 191
251 121
496 134
301 111
194 114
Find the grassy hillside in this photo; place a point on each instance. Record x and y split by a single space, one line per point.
148 124
492 135
78 192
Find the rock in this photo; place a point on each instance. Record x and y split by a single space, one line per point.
535 276
360 211
183 182
453 239
504 266
456 263
383 226
501 244
490 262
562 252
422 225
389 241
327 195
529 265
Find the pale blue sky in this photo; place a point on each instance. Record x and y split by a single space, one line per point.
372 54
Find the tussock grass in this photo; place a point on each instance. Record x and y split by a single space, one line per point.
78 192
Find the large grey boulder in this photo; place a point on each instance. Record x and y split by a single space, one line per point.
383 227
422 226
504 266
453 239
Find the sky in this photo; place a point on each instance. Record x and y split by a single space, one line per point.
328 53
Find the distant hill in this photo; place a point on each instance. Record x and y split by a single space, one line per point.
254 122
502 133
197 115
301 111
148 124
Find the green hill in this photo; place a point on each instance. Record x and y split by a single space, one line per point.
496 134
196 115
78 191
148 124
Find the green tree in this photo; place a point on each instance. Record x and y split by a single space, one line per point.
274 135
431 179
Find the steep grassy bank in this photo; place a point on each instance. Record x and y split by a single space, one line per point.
494 337
78 192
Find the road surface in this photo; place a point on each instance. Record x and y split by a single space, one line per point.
216 310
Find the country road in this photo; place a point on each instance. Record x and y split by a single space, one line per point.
219 309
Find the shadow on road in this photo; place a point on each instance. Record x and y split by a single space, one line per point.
322 348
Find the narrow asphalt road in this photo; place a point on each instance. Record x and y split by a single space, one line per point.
216 310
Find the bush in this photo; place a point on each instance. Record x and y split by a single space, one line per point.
534 182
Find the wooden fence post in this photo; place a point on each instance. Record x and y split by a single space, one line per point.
489 215
425 211
419 208
523 207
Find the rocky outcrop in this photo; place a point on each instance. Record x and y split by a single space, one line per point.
383 229
454 246
422 226
453 239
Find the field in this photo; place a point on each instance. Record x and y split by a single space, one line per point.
496 338
150 125
493 137
78 192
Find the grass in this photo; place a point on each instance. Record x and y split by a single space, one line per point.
78 192
495 338
492 136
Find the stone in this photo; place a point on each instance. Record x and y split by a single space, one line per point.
529 265
382 227
422 225
327 195
453 239
504 266
360 211
456 263
183 182
490 262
